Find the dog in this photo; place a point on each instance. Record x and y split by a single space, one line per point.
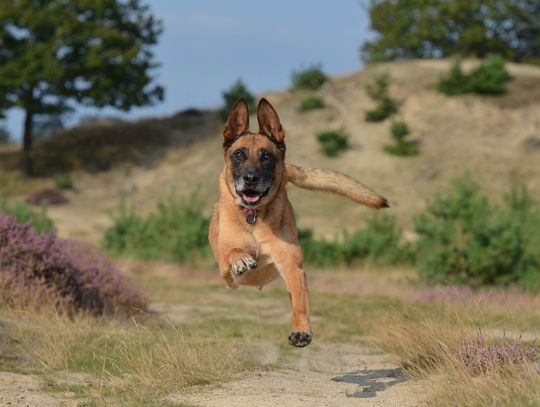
253 232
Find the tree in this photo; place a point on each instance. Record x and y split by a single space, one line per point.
54 53
442 28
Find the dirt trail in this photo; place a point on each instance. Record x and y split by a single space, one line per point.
324 375
17 390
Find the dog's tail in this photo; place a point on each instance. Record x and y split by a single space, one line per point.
330 181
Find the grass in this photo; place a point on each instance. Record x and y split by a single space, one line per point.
447 350
207 334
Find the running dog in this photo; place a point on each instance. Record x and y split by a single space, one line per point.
253 231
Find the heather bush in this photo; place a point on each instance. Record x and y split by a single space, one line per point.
23 213
310 78
311 102
39 269
378 92
176 231
465 239
379 242
401 147
237 91
490 77
333 141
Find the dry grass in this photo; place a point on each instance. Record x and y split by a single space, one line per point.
459 363
132 361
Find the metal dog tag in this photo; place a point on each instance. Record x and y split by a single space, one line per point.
251 218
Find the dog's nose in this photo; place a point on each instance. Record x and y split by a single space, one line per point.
251 177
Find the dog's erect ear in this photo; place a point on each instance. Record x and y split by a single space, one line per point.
237 122
269 123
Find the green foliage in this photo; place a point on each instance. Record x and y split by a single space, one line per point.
379 242
401 147
333 142
176 231
311 102
444 28
465 239
378 92
4 136
310 78
23 213
57 53
455 82
237 91
489 77
63 181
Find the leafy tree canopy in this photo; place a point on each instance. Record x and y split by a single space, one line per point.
92 52
441 28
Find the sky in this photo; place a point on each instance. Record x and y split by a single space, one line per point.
207 45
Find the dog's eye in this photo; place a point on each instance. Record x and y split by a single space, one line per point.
266 156
238 155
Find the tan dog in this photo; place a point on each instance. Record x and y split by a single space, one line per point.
253 231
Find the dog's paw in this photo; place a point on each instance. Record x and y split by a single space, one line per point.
300 339
243 264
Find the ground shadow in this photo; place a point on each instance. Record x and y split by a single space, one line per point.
371 381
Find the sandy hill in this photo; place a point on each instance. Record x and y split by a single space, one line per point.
496 139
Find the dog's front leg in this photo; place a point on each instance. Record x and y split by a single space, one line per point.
234 263
295 280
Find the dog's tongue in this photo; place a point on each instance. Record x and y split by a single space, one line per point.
251 199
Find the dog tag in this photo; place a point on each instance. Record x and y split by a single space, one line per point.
251 218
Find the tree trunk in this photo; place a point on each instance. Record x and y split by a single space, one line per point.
28 163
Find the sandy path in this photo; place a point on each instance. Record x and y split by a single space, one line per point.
17 390
324 375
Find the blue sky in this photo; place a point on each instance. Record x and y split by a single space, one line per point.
208 44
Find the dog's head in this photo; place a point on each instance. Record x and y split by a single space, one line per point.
254 162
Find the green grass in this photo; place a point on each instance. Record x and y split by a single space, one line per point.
24 213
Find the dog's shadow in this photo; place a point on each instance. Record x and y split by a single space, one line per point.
371 381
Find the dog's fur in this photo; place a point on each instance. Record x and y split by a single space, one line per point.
253 182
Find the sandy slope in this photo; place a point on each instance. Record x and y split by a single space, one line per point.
491 137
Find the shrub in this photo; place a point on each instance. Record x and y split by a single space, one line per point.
310 78
401 147
455 82
378 92
38 269
63 181
378 242
237 91
311 102
177 231
333 142
23 214
464 239
489 77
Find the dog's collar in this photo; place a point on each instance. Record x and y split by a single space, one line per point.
251 215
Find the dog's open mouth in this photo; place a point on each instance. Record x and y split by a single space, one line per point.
251 197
